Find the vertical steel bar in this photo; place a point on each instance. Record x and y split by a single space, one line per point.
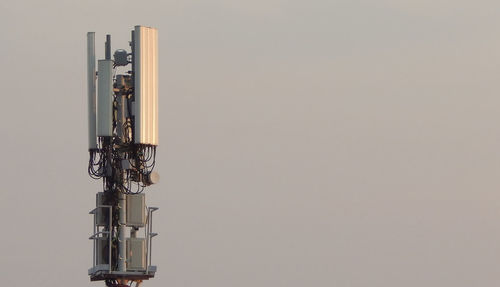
147 240
122 256
94 241
109 236
150 238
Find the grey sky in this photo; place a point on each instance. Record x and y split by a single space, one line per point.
302 143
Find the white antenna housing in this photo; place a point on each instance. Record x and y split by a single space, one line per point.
105 99
146 85
91 86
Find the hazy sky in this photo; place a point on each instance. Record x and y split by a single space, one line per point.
302 143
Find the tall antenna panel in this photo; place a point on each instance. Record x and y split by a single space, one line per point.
105 99
146 85
91 86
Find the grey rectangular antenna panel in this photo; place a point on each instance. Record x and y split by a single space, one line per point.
136 210
146 85
105 98
91 86
136 251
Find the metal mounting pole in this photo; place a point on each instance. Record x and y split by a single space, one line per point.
122 197
122 244
108 47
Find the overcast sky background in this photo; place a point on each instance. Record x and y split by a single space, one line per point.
302 143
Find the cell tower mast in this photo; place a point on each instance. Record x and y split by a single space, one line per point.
123 136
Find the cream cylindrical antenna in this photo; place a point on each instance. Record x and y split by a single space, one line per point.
146 85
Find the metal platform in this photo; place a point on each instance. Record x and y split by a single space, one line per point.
138 264
101 272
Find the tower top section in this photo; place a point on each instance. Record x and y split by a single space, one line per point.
140 82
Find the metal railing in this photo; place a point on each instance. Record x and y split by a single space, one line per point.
149 236
95 236
107 230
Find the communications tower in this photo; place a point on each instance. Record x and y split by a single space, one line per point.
123 136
